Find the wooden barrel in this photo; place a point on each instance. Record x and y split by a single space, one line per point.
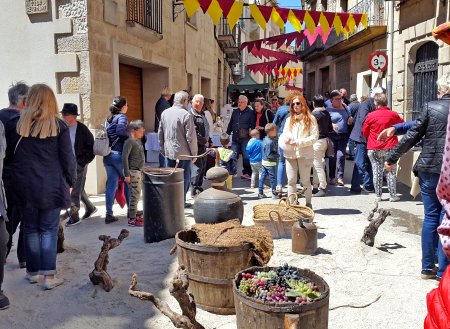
251 314
211 271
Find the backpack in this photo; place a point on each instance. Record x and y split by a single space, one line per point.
101 142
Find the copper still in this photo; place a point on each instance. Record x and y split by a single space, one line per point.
217 204
304 237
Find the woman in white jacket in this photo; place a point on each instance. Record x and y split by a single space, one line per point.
299 135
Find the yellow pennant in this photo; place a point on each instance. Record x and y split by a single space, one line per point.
235 13
364 20
324 23
294 21
275 17
310 25
297 71
214 11
338 25
257 16
351 23
191 7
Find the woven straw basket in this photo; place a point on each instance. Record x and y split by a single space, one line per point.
279 218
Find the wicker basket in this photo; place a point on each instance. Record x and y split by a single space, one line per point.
279 218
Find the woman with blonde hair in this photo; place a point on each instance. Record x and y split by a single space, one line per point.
44 171
299 135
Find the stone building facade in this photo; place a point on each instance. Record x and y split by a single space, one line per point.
341 62
90 51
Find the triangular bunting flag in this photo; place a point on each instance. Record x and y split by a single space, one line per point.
365 20
337 25
283 12
276 18
257 16
235 13
215 12
310 24
351 23
226 6
191 7
324 23
357 18
266 11
343 17
294 21
204 4
315 15
329 16
299 14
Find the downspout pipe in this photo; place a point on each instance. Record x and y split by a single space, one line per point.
390 49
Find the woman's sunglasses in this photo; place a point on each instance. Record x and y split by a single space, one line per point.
296 103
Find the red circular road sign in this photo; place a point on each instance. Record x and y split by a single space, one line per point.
378 61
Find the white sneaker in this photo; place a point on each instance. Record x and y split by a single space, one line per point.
394 199
32 278
52 283
377 198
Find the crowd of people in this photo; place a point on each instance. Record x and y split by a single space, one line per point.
299 142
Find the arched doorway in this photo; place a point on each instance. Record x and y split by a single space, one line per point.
425 76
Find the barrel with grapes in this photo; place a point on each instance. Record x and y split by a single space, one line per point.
211 271
282 297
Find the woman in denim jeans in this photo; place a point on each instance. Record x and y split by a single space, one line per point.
44 170
117 130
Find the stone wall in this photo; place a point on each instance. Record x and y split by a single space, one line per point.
180 49
412 31
75 83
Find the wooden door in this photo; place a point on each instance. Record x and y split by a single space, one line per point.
131 88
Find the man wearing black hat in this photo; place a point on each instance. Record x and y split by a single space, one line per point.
82 146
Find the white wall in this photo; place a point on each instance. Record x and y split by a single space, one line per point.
21 39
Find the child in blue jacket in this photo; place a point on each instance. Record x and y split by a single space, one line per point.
269 160
254 154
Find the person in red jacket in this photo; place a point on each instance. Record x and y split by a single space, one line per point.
378 151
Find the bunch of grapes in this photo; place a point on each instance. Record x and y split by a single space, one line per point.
281 286
288 272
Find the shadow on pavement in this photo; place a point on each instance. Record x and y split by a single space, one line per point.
390 246
337 211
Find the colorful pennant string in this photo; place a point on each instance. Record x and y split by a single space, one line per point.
232 10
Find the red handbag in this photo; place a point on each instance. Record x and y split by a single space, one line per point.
120 193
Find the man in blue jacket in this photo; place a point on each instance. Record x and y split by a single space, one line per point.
242 121
362 171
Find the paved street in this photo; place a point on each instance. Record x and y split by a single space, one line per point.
386 276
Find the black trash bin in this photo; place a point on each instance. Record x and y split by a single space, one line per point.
163 190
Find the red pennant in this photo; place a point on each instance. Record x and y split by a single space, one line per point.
277 73
357 18
266 11
300 14
226 6
283 12
315 15
330 17
258 44
344 18
204 4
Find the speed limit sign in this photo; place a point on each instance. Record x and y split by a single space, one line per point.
378 61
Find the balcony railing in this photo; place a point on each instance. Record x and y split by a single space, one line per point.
376 17
147 13
226 36
229 40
